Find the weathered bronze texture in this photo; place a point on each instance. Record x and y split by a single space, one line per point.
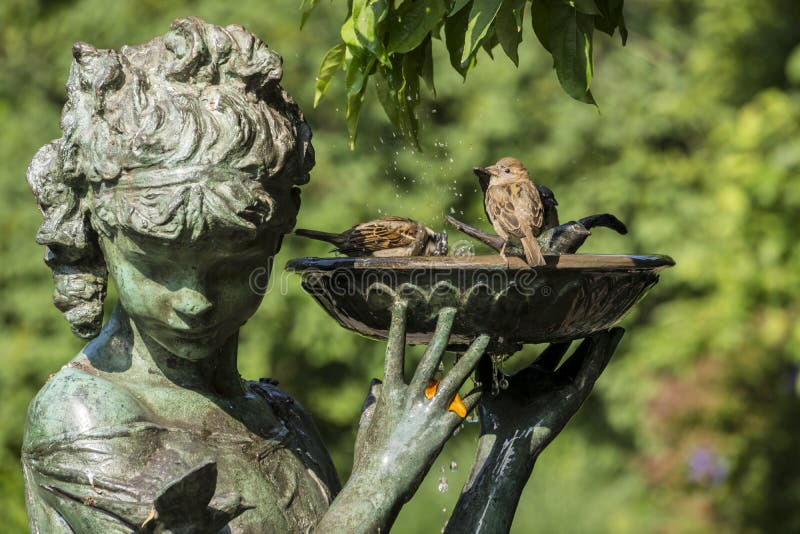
571 297
176 176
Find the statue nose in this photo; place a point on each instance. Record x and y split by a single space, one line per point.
190 302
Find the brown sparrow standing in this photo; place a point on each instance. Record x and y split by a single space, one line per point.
514 206
545 193
386 237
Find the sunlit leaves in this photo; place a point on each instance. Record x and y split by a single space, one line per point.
566 32
455 34
508 27
393 38
412 23
570 38
611 18
481 17
331 63
307 7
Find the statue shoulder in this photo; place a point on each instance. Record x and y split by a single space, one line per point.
285 407
77 400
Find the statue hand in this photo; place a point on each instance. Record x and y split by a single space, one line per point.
186 504
518 423
399 422
541 399
401 431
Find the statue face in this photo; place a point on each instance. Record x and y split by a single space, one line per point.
188 297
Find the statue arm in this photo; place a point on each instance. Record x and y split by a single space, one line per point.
519 423
401 431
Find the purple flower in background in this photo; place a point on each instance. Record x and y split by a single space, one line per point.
707 467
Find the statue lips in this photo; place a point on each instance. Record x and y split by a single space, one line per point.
196 332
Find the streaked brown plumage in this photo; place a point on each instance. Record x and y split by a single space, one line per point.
386 237
513 206
549 201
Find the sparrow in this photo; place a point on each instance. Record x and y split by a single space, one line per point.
545 193
513 206
386 237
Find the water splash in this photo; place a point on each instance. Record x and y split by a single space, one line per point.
443 485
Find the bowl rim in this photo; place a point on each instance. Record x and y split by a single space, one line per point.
553 262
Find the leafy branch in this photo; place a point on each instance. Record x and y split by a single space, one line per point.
390 42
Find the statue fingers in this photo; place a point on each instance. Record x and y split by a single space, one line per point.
433 354
396 346
603 347
549 359
456 377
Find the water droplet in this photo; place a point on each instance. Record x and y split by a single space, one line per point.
443 485
453 466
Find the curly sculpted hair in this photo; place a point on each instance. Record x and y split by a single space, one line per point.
188 134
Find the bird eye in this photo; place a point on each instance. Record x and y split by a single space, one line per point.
507 170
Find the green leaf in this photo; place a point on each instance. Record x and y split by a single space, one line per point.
481 15
358 71
490 42
508 27
386 90
455 28
412 23
589 7
410 128
368 18
307 7
611 18
348 33
540 21
398 93
570 35
331 63
427 64
457 6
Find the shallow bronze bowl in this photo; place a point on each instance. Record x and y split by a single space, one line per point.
571 297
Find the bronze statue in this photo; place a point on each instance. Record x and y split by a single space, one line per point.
177 174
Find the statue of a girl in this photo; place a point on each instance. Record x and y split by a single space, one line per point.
176 174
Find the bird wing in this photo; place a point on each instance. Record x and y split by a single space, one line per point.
515 205
381 234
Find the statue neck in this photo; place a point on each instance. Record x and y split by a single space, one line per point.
217 373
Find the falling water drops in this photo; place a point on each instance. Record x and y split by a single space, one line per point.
453 466
443 485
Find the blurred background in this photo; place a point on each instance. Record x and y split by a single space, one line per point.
696 146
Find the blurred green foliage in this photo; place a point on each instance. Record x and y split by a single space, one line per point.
692 428
393 40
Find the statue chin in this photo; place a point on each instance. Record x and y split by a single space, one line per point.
188 344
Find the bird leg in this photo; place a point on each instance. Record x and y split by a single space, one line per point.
503 252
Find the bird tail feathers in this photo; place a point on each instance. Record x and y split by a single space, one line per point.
328 237
533 254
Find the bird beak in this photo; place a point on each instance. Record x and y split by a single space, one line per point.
555 202
483 174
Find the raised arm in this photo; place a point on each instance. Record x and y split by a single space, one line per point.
401 431
519 423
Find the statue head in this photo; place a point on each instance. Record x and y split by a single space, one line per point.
177 172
